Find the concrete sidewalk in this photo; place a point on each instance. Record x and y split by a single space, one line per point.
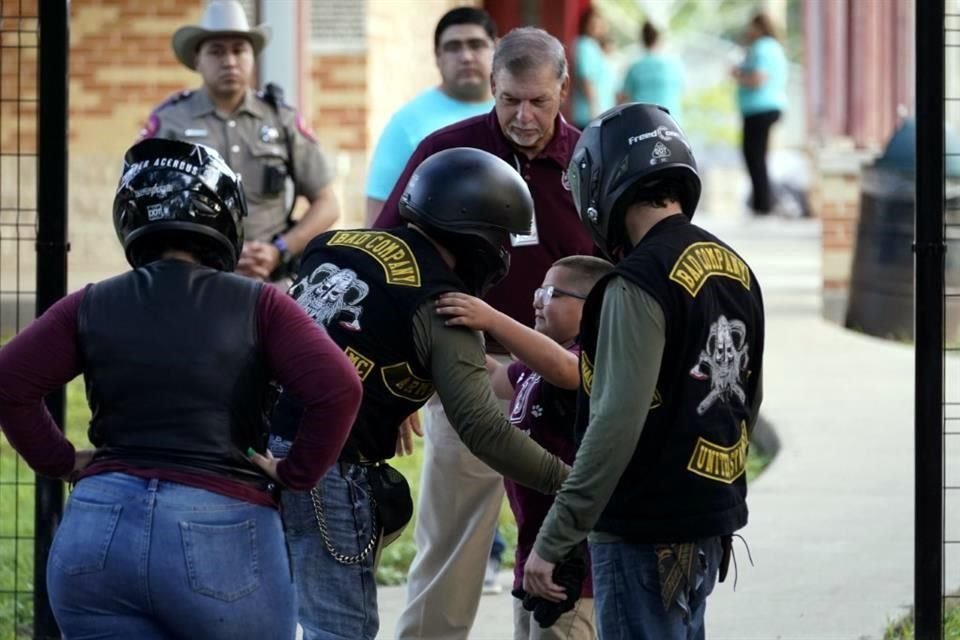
831 520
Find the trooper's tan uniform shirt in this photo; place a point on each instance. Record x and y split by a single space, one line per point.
251 139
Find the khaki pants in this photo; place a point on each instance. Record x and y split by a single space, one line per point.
457 510
576 624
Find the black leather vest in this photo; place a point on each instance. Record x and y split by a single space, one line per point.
175 378
687 478
364 287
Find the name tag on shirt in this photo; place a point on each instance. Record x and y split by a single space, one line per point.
194 133
526 241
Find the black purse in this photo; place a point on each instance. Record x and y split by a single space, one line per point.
391 499
392 507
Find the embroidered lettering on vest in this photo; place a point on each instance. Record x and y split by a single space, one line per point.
702 260
723 464
401 382
586 373
393 254
360 362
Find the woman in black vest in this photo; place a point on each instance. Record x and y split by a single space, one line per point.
172 529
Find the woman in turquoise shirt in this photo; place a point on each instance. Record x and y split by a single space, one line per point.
654 78
595 83
762 98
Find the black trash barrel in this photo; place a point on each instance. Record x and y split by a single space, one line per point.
881 284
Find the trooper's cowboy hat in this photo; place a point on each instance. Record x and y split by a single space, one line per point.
221 18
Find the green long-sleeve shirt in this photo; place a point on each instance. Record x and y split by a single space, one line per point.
630 344
455 358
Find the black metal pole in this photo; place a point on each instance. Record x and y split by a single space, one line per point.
929 320
54 40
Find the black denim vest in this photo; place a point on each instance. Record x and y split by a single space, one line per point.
687 477
364 287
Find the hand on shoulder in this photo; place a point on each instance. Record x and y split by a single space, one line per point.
466 311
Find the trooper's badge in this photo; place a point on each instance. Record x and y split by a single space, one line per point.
269 134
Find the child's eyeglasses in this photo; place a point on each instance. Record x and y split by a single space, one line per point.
544 295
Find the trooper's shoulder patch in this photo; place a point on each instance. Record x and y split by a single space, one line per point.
304 128
152 125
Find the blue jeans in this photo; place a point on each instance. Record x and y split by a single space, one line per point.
336 601
499 546
150 559
626 591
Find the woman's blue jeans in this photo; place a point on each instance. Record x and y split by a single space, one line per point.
150 559
626 591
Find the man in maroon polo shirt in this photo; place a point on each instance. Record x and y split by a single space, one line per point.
460 497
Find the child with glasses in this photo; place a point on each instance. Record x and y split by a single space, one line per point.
541 385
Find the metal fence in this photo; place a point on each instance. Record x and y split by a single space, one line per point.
950 562
937 383
33 140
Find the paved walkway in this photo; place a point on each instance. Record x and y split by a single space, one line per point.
831 520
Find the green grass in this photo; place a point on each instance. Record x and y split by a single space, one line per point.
17 496
757 461
902 629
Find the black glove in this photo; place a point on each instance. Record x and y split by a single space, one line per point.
569 574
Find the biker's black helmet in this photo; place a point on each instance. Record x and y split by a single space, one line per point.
470 201
625 149
180 194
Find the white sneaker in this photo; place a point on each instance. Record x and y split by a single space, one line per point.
490 584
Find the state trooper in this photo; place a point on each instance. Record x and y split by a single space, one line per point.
261 138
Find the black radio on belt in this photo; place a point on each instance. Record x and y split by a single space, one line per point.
275 176
274 179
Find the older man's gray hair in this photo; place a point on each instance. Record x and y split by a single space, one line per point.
529 48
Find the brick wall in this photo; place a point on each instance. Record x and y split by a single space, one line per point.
18 108
352 95
401 60
835 199
121 67
338 115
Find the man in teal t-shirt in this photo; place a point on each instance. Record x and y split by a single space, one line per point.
463 42
655 78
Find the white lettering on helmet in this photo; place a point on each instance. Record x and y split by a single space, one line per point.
177 163
660 132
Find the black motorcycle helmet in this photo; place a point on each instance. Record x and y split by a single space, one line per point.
470 201
621 152
181 195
